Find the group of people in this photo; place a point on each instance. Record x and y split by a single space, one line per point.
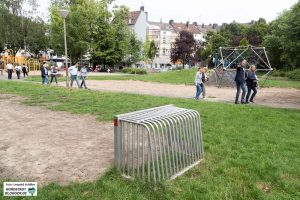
242 79
73 70
18 68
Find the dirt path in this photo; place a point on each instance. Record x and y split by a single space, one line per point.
272 97
41 145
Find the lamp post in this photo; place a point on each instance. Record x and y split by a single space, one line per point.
64 14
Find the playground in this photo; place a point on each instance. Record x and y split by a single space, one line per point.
58 148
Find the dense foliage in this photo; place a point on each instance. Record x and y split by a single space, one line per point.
20 28
94 28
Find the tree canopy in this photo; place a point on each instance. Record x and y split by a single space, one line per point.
184 48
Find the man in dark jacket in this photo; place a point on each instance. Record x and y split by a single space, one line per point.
44 74
240 78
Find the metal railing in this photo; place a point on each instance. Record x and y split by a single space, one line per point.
158 143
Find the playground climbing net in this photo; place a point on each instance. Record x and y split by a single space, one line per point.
230 57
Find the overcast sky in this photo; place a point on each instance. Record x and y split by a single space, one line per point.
205 11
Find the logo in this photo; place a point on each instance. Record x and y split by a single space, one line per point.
18 189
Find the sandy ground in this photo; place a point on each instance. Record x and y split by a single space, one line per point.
37 144
272 97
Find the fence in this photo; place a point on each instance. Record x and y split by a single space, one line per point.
158 143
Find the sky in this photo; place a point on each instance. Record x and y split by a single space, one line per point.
208 11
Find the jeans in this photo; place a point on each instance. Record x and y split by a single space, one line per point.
9 71
199 90
249 93
25 73
83 82
45 80
53 77
239 86
74 77
18 74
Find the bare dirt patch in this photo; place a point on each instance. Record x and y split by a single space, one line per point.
272 97
40 145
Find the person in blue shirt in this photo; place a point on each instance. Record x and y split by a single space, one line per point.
240 80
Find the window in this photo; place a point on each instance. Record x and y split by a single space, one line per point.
164 51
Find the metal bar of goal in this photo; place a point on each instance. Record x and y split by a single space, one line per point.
158 143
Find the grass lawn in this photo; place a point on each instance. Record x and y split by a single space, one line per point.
179 77
250 152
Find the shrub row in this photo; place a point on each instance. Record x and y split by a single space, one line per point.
134 71
294 74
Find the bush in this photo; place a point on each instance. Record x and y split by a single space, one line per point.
278 73
134 71
294 75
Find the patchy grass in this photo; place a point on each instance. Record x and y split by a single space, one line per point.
250 152
282 83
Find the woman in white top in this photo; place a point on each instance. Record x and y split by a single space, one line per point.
10 68
198 82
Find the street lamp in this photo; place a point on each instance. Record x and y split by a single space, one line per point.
64 14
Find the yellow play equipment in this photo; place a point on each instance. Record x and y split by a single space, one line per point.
32 64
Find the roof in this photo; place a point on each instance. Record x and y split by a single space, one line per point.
178 27
133 17
161 25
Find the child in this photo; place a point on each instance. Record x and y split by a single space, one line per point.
25 70
204 79
83 75
251 83
198 82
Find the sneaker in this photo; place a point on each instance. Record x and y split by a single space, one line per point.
237 102
204 98
252 101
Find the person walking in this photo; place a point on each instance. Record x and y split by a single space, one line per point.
54 71
240 78
73 70
204 79
18 69
251 84
44 74
198 82
10 68
25 70
83 75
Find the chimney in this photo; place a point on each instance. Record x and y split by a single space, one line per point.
146 16
171 22
195 24
161 20
215 26
142 8
187 24
203 25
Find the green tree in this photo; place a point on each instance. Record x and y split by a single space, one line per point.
216 40
244 42
257 31
152 51
285 32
